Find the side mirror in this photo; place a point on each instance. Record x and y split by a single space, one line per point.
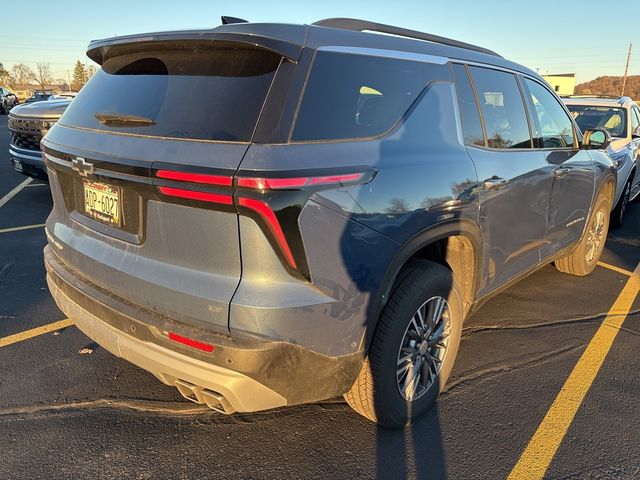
636 132
596 139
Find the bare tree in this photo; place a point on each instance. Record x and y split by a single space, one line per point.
6 78
43 75
22 74
62 83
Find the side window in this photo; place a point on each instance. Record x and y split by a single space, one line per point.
356 96
504 116
553 127
635 119
471 124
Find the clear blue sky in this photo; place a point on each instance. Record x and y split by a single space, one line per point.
586 37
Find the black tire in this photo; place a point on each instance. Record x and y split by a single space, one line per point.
617 214
580 261
376 393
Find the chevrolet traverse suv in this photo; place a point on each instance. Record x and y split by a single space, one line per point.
266 214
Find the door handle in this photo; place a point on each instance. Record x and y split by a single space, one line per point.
561 171
493 182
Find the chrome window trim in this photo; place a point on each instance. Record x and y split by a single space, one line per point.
378 52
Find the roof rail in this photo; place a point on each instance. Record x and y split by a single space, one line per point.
593 95
362 25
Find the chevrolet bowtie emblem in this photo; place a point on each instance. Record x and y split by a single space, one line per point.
82 167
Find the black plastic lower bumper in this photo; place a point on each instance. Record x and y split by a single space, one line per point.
295 373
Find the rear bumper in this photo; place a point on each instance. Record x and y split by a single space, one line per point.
242 375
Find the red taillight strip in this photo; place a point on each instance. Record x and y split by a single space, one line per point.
271 183
270 218
205 347
195 177
195 195
296 182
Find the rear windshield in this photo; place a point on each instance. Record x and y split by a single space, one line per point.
190 91
353 96
613 119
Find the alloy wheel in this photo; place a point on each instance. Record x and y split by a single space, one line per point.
595 235
423 348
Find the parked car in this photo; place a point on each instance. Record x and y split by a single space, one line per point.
63 95
39 96
8 100
28 123
266 214
620 116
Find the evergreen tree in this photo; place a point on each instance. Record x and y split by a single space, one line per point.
79 77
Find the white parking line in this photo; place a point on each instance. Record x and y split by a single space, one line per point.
14 192
25 227
37 185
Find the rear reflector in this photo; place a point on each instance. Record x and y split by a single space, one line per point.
270 218
205 347
296 182
195 177
194 195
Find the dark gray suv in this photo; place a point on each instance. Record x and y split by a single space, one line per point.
265 214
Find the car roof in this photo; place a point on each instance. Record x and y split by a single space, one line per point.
292 38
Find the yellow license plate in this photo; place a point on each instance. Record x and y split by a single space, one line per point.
102 202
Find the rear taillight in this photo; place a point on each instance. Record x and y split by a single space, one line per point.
197 195
254 197
296 182
205 178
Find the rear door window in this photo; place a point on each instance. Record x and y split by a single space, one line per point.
211 91
502 108
358 96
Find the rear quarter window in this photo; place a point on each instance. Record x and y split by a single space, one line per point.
355 96
211 91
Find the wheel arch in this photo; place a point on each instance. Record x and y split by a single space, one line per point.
456 244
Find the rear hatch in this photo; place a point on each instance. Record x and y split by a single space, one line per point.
141 166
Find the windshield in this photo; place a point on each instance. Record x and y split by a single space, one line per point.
184 90
589 117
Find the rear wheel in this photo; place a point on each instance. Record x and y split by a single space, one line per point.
585 256
414 347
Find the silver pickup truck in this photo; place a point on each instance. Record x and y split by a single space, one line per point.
28 123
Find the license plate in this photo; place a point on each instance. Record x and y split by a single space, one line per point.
102 202
17 165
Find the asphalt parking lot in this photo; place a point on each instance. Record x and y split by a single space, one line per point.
69 409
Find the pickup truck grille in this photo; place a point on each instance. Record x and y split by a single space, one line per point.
28 141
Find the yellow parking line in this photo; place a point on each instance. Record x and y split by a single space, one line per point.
542 447
615 269
34 332
17 229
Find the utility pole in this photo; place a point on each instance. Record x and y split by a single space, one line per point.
68 81
626 70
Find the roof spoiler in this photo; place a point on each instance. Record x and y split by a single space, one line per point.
99 50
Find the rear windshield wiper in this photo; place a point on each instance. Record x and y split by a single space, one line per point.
123 120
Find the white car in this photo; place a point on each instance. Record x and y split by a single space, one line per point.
620 116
